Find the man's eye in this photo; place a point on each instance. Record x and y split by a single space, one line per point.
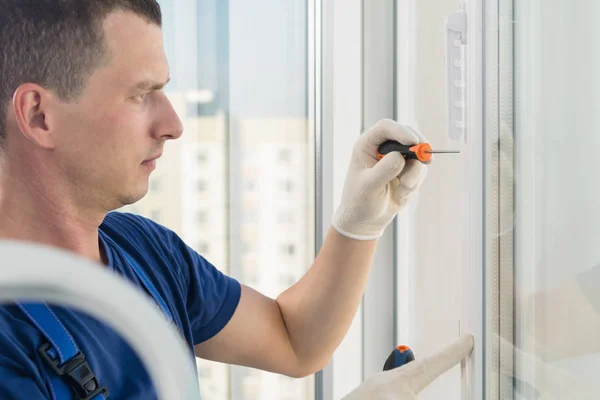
141 97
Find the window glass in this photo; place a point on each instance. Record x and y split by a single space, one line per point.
544 285
239 83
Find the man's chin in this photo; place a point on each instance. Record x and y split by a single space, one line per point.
130 198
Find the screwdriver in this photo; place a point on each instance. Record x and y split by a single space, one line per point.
398 357
420 151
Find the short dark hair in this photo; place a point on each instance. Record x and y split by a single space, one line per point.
56 44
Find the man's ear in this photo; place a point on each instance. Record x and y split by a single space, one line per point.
32 105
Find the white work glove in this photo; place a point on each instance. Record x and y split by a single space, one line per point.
375 190
404 383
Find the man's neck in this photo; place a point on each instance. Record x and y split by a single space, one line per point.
32 210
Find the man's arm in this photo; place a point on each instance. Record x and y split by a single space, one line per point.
297 333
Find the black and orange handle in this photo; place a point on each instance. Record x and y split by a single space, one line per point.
421 151
400 356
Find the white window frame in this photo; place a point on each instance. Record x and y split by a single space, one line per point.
473 277
339 119
338 115
379 308
352 92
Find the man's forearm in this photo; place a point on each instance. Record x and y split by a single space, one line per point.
319 309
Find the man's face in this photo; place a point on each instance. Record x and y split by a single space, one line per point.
106 139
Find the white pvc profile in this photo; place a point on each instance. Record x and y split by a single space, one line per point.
378 102
34 272
406 53
338 25
346 126
319 120
472 273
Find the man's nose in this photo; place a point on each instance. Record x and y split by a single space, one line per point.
177 130
169 125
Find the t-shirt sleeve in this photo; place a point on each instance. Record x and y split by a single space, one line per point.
212 296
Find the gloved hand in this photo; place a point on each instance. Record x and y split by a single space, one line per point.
406 382
375 190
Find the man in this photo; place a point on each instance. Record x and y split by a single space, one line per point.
83 120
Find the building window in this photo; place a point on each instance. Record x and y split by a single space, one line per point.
287 279
202 247
287 186
248 246
250 185
288 249
155 215
285 217
285 156
202 157
154 185
250 217
205 372
202 217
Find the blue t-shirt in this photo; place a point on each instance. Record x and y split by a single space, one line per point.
201 299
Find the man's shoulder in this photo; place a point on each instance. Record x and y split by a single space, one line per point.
121 219
140 235
133 225
133 230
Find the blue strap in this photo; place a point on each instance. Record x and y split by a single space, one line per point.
149 286
62 356
63 345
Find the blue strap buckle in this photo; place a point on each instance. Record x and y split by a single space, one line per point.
77 373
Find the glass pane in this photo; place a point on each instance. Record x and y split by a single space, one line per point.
238 186
548 263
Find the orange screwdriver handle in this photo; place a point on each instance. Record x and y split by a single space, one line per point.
419 151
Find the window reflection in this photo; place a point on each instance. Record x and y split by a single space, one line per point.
547 324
